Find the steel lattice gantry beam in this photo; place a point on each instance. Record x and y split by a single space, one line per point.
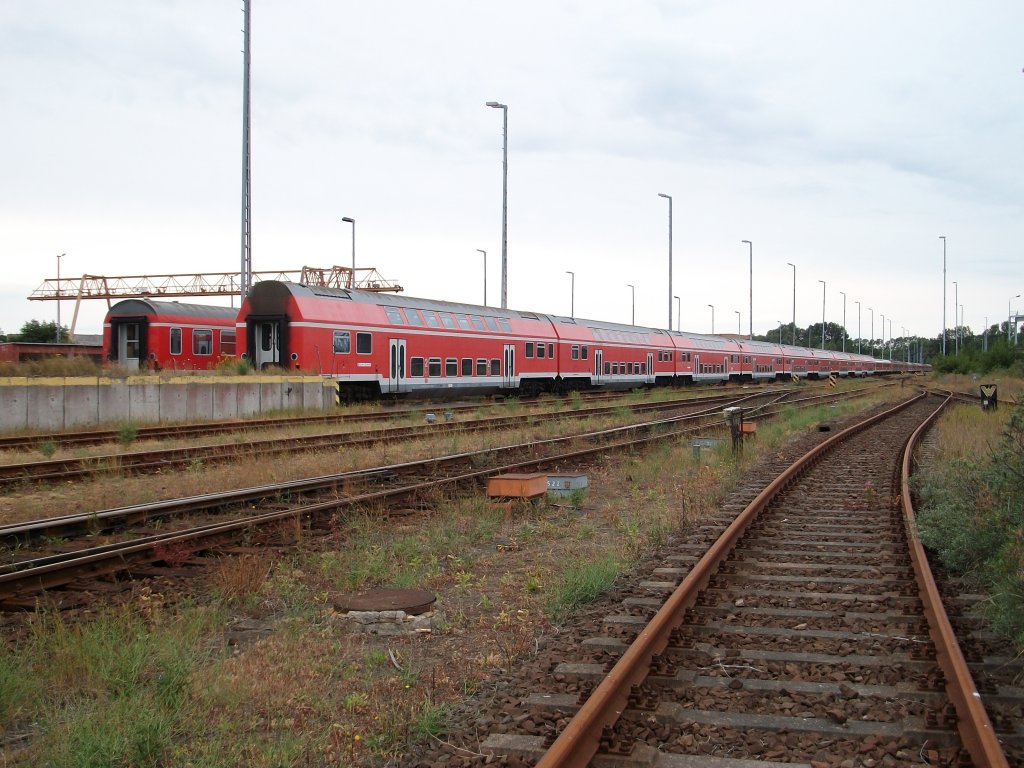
199 284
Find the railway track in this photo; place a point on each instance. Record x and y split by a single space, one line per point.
170 459
796 631
34 567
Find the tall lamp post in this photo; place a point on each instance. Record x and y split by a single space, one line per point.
822 313
844 320
481 250
679 313
572 293
739 322
59 333
882 315
872 331
353 223
632 296
751 247
713 319
1009 314
504 200
794 300
858 327
669 198
943 239
891 345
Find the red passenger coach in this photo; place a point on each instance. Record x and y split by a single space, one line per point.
141 333
375 343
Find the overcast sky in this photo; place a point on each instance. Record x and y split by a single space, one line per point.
844 137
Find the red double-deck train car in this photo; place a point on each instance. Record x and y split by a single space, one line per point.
374 344
146 334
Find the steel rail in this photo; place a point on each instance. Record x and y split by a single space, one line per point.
70 524
577 744
56 570
976 731
141 462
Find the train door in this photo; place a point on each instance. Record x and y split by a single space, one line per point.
696 368
396 365
267 345
509 371
598 366
650 368
129 345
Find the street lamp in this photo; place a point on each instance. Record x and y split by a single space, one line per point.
882 315
572 293
739 322
858 327
504 200
679 314
961 322
632 295
59 334
794 300
751 247
352 280
669 198
872 331
943 239
713 319
1008 315
822 313
481 250
891 345
844 320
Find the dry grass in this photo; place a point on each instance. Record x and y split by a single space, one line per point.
313 693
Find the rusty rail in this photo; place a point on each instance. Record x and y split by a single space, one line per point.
973 723
578 743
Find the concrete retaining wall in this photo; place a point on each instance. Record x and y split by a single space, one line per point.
51 404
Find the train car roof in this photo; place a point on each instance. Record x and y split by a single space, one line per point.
135 307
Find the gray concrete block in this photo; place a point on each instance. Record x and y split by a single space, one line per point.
199 400
248 397
46 407
173 402
143 402
112 400
271 396
81 403
13 406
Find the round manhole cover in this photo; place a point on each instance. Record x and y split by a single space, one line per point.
412 601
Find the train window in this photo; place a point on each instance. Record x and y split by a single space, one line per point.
629 369
529 349
415 366
463 322
364 343
394 315
467 366
342 342
434 366
746 359
202 341
551 350
540 349
643 368
481 366
175 341
447 321
491 324
478 323
413 316
575 351
583 351
431 318
506 326
495 367
227 342
451 367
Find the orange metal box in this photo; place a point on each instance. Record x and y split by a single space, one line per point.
518 485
